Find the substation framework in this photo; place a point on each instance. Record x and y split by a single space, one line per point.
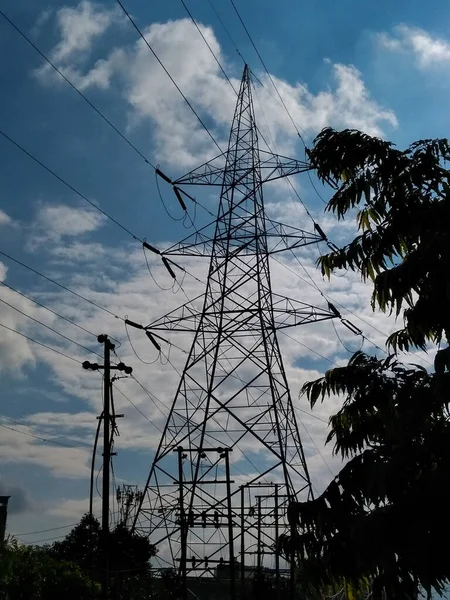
230 459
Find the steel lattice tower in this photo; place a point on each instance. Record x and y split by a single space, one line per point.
232 422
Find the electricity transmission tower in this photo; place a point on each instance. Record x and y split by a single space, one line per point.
232 427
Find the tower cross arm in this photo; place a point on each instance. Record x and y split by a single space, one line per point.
272 166
291 313
182 319
280 237
275 166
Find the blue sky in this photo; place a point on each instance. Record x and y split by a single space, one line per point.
382 67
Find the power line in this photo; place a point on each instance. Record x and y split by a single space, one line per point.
328 297
84 97
58 537
152 396
325 296
265 68
317 448
288 181
33 427
341 341
49 328
61 74
310 414
30 339
46 440
91 104
47 308
137 408
308 348
65 288
68 185
278 93
127 14
209 47
226 30
145 362
45 530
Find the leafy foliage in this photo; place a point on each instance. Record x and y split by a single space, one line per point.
129 563
403 202
385 515
31 573
71 569
383 519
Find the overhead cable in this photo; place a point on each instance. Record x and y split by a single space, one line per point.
68 185
49 328
129 17
206 42
30 339
46 440
74 87
48 309
65 288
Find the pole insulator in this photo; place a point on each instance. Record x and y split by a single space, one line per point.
153 341
179 198
320 231
161 174
168 267
133 324
334 310
351 327
151 248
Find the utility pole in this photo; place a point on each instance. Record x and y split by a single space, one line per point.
3 516
107 367
277 535
106 460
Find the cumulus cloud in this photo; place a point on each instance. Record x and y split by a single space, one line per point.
15 351
427 50
53 222
4 218
78 27
71 463
179 138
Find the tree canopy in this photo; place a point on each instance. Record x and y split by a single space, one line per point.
384 517
129 557
31 573
72 568
403 202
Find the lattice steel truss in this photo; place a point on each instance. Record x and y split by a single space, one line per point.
232 422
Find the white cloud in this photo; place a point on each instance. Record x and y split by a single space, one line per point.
15 351
42 20
56 221
60 461
427 50
178 137
79 27
4 218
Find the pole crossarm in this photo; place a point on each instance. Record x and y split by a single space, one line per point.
272 166
280 237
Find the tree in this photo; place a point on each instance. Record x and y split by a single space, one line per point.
129 557
384 518
30 573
